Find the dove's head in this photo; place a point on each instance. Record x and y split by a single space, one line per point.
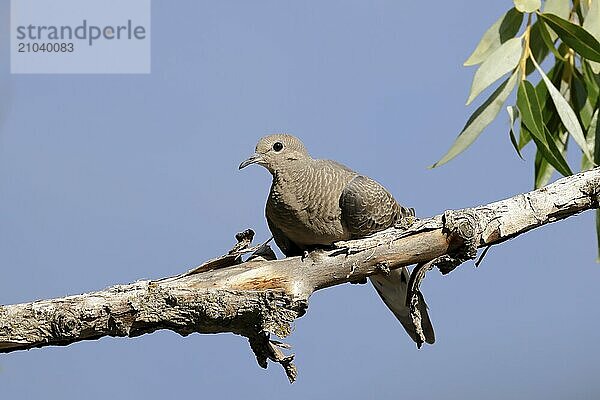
277 151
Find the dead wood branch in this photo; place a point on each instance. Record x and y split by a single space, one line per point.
257 298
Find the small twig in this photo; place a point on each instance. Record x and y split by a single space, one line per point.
413 296
263 251
232 257
483 253
287 362
264 348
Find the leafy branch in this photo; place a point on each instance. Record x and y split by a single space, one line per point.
564 104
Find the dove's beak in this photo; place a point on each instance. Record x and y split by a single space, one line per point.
253 159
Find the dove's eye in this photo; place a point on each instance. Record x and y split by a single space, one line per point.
277 146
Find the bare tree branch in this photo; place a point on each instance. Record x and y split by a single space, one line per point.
259 297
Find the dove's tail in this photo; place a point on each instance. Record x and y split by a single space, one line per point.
392 288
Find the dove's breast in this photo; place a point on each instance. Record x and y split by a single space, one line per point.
304 202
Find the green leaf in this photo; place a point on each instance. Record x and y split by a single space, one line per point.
580 100
531 117
574 36
527 6
515 144
557 147
481 118
542 171
566 113
513 115
500 62
586 163
561 8
529 109
555 75
550 117
548 40
594 130
524 137
543 96
592 82
506 27
591 23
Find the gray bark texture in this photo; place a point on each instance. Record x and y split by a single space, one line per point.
260 297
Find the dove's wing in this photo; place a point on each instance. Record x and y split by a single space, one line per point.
367 207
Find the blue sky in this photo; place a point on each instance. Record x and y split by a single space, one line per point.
107 179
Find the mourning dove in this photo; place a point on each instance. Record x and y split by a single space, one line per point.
314 203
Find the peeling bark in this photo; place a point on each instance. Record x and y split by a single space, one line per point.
260 297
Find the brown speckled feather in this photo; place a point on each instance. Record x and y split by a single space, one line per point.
318 202
368 208
303 204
